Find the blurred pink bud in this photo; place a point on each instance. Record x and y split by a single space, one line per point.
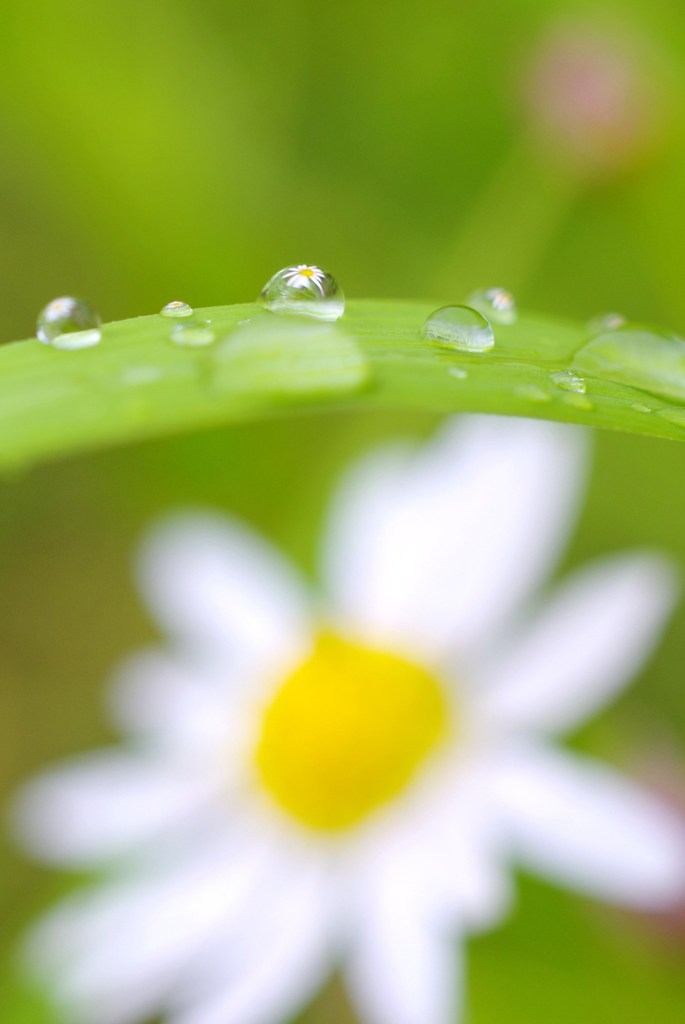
592 98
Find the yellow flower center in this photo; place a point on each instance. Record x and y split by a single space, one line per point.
347 732
307 272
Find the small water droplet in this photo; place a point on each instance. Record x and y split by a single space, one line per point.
606 322
533 393
459 327
68 323
497 304
176 309
193 333
639 407
567 380
639 356
304 291
457 372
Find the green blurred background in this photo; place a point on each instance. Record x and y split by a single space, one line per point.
187 149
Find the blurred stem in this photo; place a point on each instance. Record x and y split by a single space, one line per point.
508 230
331 1006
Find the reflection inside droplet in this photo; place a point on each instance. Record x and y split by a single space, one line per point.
176 309
304 290
497 304
69 323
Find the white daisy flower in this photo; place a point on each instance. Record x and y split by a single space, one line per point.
341 780
302 276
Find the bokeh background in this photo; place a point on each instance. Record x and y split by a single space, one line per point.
161 149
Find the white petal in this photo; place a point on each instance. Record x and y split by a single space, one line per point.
583 646
436 552
584 825
173 704
219 587
443 853
101 806
402 968
282 956
116 955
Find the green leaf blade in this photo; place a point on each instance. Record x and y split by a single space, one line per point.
138 384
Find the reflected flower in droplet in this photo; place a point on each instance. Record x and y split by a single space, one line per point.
69 323
304 290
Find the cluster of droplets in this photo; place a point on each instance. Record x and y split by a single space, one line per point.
303 290
630 355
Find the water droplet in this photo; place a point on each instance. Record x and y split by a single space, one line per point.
460 327
533 393
638 356
304 291
285 357
606 322
457 372
639 407
193 333
497 304
68 323
567 380
176 309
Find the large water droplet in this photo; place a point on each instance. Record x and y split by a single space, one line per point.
567 380
193 333
283 357
304 291
68 323
639 357
459 327
176 309
497 304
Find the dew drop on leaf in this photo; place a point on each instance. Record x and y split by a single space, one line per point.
193 333
606 322
459 327
497 304
68 323
304 291
176 309
567 380
457 373
640 357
